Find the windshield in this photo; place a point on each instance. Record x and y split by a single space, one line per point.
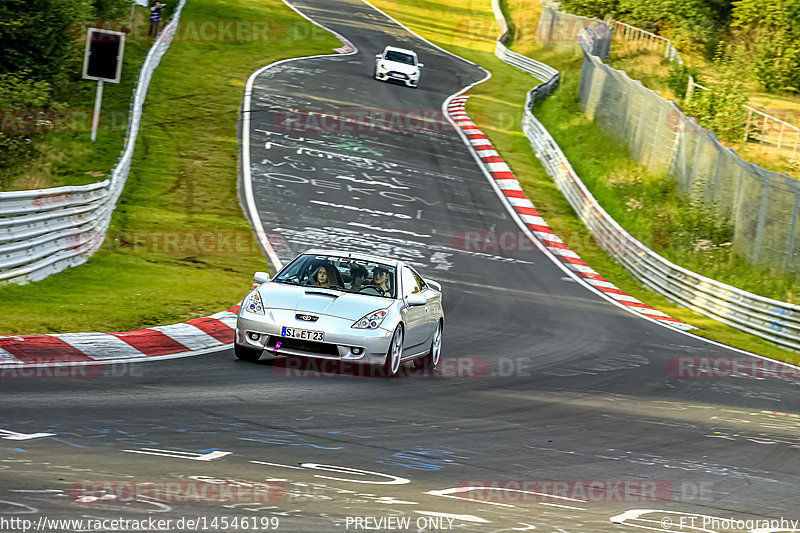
400 57
340 273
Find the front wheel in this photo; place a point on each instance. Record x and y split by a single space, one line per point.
431 359
246 354
392 364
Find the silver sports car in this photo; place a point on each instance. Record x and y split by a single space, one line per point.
343 306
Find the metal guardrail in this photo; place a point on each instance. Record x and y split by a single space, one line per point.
44 231
772 320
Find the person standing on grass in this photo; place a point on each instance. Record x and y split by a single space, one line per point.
155 18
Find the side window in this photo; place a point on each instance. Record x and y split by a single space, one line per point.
420 281
410 285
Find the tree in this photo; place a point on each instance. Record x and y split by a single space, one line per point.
768 30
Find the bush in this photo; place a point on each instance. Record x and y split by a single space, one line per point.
678 79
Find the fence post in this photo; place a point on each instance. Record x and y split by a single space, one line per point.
716 177
790 243
689 91
762 215
747 126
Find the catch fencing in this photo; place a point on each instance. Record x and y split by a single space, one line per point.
44 231
772 320
563 30
762 205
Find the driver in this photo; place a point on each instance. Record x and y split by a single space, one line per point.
380 277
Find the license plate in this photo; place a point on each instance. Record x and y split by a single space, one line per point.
307 335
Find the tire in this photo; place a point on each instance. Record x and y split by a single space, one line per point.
246 354
392 364
431 359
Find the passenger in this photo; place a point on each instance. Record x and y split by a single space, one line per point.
324 277
358 275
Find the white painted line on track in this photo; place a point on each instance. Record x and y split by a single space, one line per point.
258 227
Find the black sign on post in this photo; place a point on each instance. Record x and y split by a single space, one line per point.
102 60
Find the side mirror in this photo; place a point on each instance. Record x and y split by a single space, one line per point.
378 56
420 65
416 299
260 277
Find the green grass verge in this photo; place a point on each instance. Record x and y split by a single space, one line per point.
178 246
496 107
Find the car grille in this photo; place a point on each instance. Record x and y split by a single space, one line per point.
299 345
398 75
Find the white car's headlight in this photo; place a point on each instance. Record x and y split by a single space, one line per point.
370 321
253 303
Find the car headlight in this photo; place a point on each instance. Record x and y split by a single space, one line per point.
370 321
253 303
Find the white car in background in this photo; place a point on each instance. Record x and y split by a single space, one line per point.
398 64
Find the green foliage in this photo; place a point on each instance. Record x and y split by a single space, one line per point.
591 8
695 20
768 31
720 108
678 79
34 36
19 92
698 224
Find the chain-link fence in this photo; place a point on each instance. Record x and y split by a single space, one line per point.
762 205
562 30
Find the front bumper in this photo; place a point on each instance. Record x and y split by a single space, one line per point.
409 80
340 338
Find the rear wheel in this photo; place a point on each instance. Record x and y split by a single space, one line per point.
392 364
246 354
431 359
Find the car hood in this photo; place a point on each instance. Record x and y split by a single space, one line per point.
315 300
399 67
